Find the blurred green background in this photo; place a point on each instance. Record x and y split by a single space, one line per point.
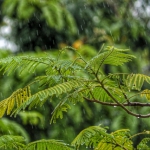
42 27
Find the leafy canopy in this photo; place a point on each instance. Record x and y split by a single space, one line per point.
71 81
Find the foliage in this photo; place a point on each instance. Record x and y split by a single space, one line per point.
17 143
67 82
96 137
92 137
120 23
47 145
50 10
48 17
71 84
11 142
50 24
32 117
11 127
89 136
143 144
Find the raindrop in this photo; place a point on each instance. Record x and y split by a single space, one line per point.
9 131
104 5
78 32
30 38
1 94
115 106
20 39
83 111
138 117
46 47
37 32
118 38
10 87
83 21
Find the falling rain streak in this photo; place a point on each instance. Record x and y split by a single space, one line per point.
55 84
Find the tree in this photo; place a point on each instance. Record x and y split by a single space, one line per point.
42 23
51 24
72 81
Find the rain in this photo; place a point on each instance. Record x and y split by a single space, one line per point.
74 74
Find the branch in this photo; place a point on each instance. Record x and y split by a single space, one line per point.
116 104
144 132
116 101
104 60
123 106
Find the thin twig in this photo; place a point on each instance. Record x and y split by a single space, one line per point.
144 132
104 60
125 96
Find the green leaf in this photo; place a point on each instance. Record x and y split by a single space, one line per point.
11 127
32 117
58 111
47 145
143 145
11 6
89 137
146 93
111 56
118 140
25 5
14 101
23 63
131 81
11 142
136 81
40 97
